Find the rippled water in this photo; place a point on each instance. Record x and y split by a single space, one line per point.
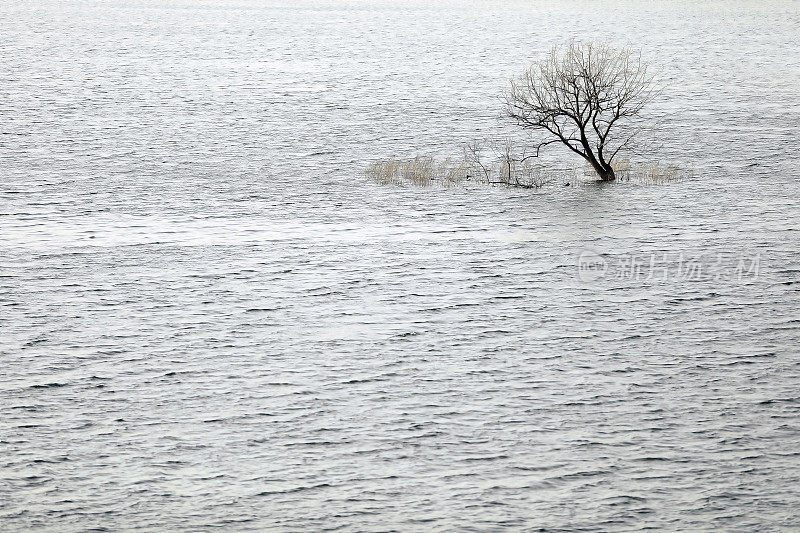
210 319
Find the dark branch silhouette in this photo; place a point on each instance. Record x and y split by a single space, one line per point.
585 96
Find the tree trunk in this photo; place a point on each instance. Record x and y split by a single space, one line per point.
599 165
607 174
604 171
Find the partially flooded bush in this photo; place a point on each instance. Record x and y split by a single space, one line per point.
500 162
451 172
421 171
526 175
658 174
653 174
418 171
385 172
643 174
622 168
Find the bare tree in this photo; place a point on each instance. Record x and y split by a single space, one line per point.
586 96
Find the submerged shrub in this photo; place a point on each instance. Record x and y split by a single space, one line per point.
418 171
450 172
654 174
493 162
658 174
385 172
644 173
421 171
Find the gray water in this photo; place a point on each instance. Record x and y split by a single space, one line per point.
209 319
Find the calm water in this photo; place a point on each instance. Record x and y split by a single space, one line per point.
210 320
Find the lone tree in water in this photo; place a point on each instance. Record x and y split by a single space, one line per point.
585 96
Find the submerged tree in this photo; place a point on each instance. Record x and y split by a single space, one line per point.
586 96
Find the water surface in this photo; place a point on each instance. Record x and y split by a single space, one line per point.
210 320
